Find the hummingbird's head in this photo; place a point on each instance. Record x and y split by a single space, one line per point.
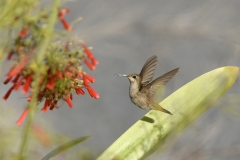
133 77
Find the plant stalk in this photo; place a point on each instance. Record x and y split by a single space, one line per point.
40 54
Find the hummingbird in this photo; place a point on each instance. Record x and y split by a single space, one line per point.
142 89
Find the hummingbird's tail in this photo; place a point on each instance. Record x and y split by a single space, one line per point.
159 108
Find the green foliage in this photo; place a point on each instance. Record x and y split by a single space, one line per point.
64 147
186 104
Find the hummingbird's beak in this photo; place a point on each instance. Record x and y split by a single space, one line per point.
122 75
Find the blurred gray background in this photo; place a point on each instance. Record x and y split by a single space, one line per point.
197 36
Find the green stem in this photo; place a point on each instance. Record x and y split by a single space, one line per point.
48 33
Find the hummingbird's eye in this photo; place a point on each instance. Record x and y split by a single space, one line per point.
134 77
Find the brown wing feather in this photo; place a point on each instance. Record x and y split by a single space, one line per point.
148 70
153 87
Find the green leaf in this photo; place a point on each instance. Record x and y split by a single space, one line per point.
186 104
65 147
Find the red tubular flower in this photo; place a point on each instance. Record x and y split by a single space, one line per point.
79 91
68 100
9 57
66 25
23 32
85 82
8 92
27 84
89 64
90 78
61 15
18 68
59 75
80 74
62 12
71 97
94 61
53 105
46 104
7 80
22 117
19 83
76 90
87 51
92 93
16 78
51 84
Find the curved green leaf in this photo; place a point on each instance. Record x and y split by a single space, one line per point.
64 147
186 104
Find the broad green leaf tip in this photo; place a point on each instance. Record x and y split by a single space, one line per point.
64 147
186 104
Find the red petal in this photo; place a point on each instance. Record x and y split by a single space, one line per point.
87 51
85 81
7 80
79 91
27 84
18 83
16 78
9 57
90 78
46 104
68 100
76 90
92 93
51 84
53 105
65 10
89 64
18 68
80 74
62 12
66 25
8 93
22 117
94 61
23 32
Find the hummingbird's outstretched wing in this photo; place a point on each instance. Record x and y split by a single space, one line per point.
148 70
151 88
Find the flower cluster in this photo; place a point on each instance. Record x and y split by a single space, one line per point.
62 74
61 14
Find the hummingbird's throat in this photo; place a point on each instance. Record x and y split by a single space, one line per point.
134 88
